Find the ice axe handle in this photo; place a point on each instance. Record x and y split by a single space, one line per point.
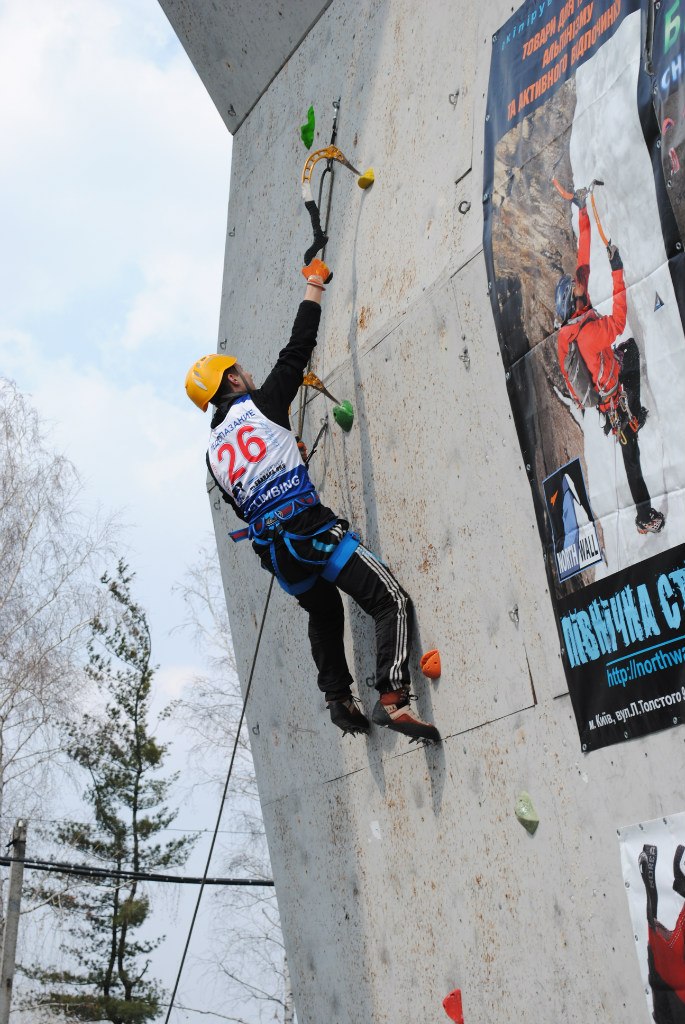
564 193
598 222
320 238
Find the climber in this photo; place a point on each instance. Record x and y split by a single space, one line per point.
254 459
614 372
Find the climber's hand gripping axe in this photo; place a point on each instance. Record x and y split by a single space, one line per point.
590 190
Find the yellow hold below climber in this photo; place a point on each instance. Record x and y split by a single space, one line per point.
366 179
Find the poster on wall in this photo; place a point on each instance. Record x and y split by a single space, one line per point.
584 221
653 865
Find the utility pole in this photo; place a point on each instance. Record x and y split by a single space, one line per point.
9 938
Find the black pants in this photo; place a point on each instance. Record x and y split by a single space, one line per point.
630 379
368 582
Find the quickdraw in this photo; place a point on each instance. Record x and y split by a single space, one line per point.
618 423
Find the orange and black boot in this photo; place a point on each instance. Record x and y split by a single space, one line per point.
393 712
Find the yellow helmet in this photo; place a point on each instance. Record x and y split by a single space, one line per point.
204 376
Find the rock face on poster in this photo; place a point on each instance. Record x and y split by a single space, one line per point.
584 202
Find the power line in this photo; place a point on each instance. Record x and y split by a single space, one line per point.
85 871
100 831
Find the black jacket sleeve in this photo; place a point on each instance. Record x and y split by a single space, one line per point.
280 387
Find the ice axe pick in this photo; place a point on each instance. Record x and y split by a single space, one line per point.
343 413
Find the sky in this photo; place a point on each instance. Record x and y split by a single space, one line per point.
114 174
114 177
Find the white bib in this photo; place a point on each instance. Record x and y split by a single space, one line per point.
256 461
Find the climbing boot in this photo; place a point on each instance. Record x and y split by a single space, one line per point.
347 716
650 521
393 712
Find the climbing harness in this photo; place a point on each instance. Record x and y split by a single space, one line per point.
265 530
337 555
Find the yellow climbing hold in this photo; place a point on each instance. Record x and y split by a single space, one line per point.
366 179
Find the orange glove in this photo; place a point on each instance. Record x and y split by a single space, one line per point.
317 268
302 448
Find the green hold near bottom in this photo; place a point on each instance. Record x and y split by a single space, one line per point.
526 813
343 415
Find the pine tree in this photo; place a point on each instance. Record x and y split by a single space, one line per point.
108 979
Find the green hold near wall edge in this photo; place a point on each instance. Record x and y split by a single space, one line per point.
307 130
526 813
343 415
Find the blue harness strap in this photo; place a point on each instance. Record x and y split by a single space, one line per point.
341 556
306 584
281 514
334 564
264 531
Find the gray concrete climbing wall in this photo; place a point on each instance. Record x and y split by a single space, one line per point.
402 873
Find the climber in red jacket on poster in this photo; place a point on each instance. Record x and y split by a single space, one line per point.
596 373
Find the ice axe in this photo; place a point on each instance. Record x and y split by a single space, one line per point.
343 413
591 192
330 153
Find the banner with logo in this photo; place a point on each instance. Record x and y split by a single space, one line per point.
584 220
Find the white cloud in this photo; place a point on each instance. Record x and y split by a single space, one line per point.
171 680
114 169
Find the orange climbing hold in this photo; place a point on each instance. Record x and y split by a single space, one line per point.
430 664
452 1005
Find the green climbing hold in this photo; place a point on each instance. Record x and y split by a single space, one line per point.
526 813
307 130
343 415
